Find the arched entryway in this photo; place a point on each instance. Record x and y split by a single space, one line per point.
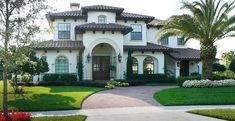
103 62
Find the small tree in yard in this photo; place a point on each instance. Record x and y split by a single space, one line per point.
232 65
129 71
227 58
17 21
218 67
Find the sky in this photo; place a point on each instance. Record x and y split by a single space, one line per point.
160 9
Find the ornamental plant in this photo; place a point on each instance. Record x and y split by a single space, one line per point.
16 116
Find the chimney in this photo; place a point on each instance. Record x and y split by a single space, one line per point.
74 6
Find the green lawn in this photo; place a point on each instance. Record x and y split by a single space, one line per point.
196 96
48 98
62 118
226 114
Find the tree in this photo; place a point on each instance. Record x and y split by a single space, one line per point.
18 27
227 58
207 22
218 67
232 65
129 66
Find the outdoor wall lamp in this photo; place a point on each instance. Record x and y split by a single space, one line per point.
119 58
88 57
178 64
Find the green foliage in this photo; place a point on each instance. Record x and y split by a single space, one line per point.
232 65
181 80
218 67
35 65
208 21
26 78
113 84
129 71
224 75
226 114
154 78
80 70
227 58
66 77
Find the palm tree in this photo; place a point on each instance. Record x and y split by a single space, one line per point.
207 22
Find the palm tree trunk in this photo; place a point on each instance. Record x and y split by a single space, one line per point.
208 54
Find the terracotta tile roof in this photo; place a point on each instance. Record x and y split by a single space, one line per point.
133 16
102 8
51 45
148 47
104 27
80 13
156 23
67 14
185 54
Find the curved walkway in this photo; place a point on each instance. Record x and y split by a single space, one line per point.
124 97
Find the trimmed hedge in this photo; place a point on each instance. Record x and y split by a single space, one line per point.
154 78
134 82
79 83
181 80
64 77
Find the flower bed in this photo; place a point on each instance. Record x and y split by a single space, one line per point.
16 116
209 83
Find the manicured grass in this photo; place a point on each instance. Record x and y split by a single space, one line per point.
48 98
61 118
226 114
196 96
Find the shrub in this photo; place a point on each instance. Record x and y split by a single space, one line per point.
67 77
218 67
154 78
208 83
224 75
195 74
134 82
232 65
16 116
26 78
113 84
79 83
181 80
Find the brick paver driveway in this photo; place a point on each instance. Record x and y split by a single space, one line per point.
124 97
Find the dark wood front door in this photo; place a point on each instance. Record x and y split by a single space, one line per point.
184 68
100 67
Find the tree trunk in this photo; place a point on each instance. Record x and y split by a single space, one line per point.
5 105
208 54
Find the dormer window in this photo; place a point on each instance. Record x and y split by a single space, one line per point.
102 19
165 41
180 41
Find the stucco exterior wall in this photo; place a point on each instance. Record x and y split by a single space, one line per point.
93 16
73 24
158 61
127 38
195 67
90 40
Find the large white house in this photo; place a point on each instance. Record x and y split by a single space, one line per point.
102 36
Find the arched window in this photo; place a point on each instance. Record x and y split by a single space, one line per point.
148 65
102 19
134 65
61 65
